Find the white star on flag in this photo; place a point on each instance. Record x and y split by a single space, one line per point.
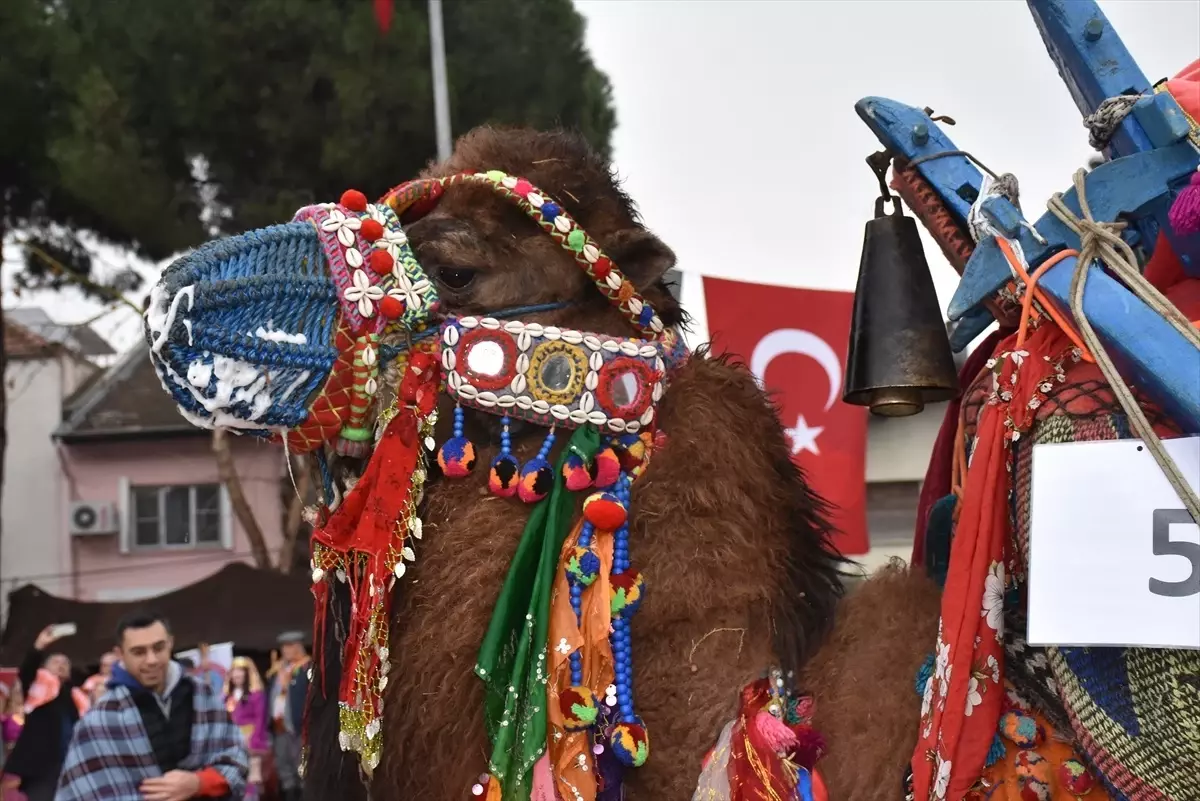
804 436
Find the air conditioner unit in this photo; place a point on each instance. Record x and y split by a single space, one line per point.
87 518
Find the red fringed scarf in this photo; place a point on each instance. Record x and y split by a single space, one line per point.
363 544
962 702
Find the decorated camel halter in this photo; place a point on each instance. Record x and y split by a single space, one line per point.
560 378
419 196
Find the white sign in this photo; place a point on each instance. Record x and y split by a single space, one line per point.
221 653
1114 556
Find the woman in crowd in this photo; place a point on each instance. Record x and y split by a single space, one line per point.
246 703
97 683
53 705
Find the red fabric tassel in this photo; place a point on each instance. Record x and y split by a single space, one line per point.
368 529
363 527
755 771
383 14
774 733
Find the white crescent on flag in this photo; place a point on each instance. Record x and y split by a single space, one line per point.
804 343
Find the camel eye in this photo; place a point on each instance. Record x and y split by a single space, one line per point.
455 277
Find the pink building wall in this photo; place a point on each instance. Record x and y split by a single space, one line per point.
97 472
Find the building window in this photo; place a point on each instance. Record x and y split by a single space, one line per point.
176 516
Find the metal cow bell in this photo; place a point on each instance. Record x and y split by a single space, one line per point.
899 356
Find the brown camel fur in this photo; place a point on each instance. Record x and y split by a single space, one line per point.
863 681
740 575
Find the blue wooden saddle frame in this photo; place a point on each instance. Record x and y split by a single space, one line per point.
1150 157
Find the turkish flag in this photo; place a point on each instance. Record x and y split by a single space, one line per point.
795 341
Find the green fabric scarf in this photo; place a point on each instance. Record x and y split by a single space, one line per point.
512 661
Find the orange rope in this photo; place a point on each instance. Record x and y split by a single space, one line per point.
958 464
1032 293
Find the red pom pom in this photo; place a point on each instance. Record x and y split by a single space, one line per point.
370 230
810 746
604 511
602 267
1184 215
391 306
381 261
523 187
421 361
605 469
1075 778
354 200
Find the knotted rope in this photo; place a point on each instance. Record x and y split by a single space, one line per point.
1103 122
1102 240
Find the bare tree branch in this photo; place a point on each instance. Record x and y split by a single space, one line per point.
237 499
294 521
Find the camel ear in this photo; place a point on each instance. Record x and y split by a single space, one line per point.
640 255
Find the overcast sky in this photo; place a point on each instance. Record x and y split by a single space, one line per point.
737 133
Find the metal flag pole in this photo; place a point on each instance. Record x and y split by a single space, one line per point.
441 90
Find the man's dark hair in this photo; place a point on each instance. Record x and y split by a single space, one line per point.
140 619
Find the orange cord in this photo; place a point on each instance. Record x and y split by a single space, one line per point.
958 463
1032 293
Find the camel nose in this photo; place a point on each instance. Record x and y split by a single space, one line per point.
241 330
266 332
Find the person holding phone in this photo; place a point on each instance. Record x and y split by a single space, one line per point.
53 705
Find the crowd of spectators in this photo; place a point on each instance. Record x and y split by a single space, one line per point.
147 726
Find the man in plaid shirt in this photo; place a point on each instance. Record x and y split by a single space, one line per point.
158 735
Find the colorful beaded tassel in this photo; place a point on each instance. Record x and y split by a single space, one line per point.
537 476
456 457
502 478
606 468
577 472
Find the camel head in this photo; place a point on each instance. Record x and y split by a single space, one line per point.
486 255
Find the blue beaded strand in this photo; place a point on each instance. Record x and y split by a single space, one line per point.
547 444
621 639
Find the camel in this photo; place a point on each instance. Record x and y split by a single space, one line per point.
741 578
735 544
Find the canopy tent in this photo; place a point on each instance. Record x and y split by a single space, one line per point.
241 603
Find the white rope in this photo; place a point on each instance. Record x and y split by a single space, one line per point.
981 227
1102 241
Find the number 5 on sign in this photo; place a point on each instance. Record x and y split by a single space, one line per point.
1114 557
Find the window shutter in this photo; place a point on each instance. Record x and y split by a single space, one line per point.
125 510
226 520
